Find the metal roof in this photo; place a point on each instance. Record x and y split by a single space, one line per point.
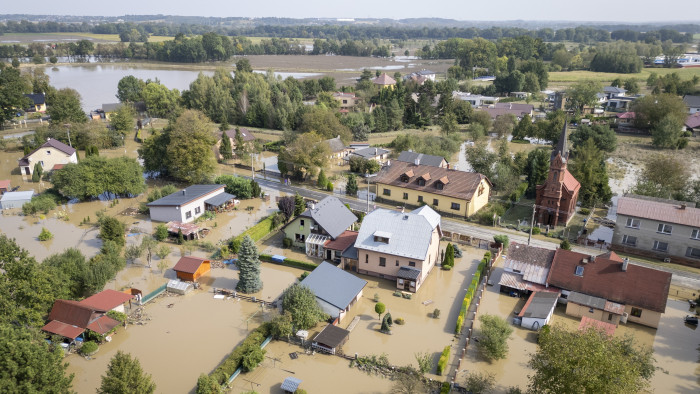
409 273
596 302
540 304
531 262
692 101
17 196
219 199
411 232
515 281
426 160
658 210
62 329
332 336
186 195
333 285
290 384
331 214
369 153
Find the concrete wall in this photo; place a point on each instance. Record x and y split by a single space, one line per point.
50 157
574 309
648 318
466 208
678 241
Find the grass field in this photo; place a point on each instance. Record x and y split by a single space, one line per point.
576 76
28 38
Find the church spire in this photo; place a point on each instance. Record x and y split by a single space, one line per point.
562 147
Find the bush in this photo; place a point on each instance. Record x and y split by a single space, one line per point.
444 359
287 242
493 337
446 267
445 388
257 232
501 239
565 244
88 347
436 313
536 230
584 211
235 359
161 233
45 234
118 316
400 321
42 203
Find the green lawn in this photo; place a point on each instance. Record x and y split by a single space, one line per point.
576 76
519 212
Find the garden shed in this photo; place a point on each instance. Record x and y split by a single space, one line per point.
12 200
190 268
330 339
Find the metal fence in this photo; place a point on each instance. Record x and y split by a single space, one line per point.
153 294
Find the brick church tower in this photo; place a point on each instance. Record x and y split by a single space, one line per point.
555 200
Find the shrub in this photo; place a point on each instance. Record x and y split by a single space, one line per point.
397 293
161 232
45 234
329 186
118 316
235 359
444 359
446 267
406 295
400 321
445 388
436 313
287 242
565 244
584 211
501 239
493 337
88 347
536 230
303 275
257 232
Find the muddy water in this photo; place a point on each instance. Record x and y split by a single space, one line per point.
186 335
674 346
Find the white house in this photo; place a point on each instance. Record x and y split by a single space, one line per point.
51 153
188 204
538 310
476 100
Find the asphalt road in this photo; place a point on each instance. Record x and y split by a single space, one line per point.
680 277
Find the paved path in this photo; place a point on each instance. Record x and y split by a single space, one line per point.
680 277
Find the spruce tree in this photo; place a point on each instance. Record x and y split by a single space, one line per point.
351 186
322 180
249 267
225 149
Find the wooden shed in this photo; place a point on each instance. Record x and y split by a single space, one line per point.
190 268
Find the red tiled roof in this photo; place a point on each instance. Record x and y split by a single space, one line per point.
384 80
611 256
570 183
344 241
57 167
638 286
587 322
107 300
462 184
103 325
5 184
62 329
626 115
189 264
693 120
658 210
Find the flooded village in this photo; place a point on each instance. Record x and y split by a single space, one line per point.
312 219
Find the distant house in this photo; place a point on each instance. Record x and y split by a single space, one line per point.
246 136
693 103
619 103
337 148
476 100
520 95
608 288
188 204
625 118
692 123
399 246
347 101
658 228
517 110
109 109
336 290
319 225
458 193
38 102
611 92
525 269
538 309
190 268
108 300
384 81
5 186
49 154
422 159
376 154
70 319
11 200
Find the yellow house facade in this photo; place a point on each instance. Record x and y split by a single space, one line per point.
48 155
451 192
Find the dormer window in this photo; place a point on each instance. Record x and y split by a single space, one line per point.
421 182
404 178
382 237
439 185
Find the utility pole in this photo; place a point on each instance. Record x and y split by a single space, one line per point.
367 178
532 224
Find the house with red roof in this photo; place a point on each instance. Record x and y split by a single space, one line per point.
608 288
49 154
384 81
108 300
692 123
190 268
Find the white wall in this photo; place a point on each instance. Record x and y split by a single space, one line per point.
171 213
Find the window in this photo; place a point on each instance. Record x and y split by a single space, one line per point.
387 192
381 239
382 261
610 315
397 263
188 214
301 224
693 252
455 206
590 310
629 240
435 202
660 246
405 196
420 198
411 263
439 185
664 228
481 189
48 152
299 237
695 234
404 178
579 271
636 312
633 223
421 182
197 210
42 163
345 101
366 258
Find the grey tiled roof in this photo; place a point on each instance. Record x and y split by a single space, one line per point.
542 302
335 144
426 160
692 101
409 273
184 196
369 153
333 285
332 215
411 232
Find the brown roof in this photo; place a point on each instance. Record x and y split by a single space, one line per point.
638 286
189 264
63 329
245 134
72 312
343 241
57 167
570 183
384 80
107 300
103 325
50 143
461 185
693 120
658 210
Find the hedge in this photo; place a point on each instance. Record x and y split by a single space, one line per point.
444 359
305 265
235 359
259 231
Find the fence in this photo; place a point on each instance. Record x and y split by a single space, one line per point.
239 369
466 240
153 294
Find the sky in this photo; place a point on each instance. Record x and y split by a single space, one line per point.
470 10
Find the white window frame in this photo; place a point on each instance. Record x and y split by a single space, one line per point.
664 228
633 223
695 234
657 246
689 252
579 270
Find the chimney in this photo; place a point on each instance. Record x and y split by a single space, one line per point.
416 161
624 264
312 206
388 162
183 192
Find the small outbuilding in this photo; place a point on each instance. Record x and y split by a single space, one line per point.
538 309
109 300
190 268
330 339
178 287
290 385
5 186
336 290
12 200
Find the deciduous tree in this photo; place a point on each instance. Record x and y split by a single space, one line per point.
588 167
12 90
123 119
493 337
125 376
129 89
64 107
301 303
191 158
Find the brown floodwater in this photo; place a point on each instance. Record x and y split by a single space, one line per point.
674 343
185 335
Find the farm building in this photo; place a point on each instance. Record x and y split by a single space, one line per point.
12 200
330 339
336 290
190 268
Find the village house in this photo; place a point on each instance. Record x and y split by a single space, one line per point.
347 101
611 92
422 159
38 102
190 268
692 123
608 288
49 154
336 290
188 204
400 246
476 100
515 109
555 199
384 81
619 103
246 136
377 154
70 319
658 228
520 95
337 148
692 102
525 269
457 193
322 229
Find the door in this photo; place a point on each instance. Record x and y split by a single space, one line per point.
26 171
328 255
